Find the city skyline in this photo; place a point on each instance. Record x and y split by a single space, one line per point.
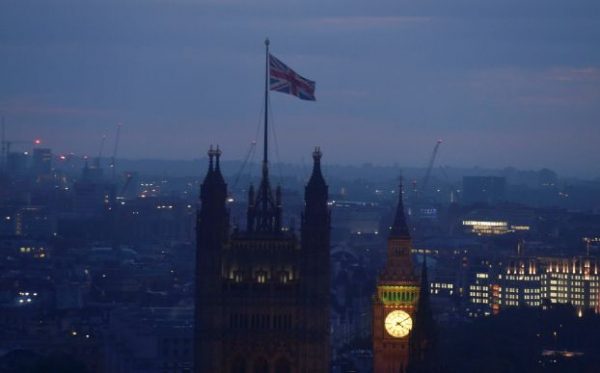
507 84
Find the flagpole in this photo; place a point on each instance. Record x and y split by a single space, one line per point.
265 155
265 168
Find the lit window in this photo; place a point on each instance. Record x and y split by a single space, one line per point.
283 277
238 276
261 277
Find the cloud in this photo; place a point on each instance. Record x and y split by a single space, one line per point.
36 106
568 74
540 87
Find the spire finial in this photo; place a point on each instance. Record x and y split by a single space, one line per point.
317 154
316 178
217 153
399 227
211 154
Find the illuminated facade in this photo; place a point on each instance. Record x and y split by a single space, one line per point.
479 293
520 284
262 297
491 228
531 281
481 227
574 280
395 304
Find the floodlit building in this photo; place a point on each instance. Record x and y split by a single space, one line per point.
572 280
531 281
520 284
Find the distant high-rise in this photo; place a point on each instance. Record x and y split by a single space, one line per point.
17 163
41 161
262 295
92 194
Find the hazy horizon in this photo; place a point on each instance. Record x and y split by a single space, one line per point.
196 167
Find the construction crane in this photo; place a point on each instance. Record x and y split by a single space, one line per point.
6 144
128 178
430 166
97 163
114 154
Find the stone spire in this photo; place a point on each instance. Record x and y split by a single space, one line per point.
400 228
316 178
315 192
266 213
217 171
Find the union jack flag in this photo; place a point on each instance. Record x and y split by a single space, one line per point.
285 80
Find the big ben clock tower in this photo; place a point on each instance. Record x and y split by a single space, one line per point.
395 299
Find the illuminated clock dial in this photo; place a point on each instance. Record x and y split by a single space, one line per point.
398 323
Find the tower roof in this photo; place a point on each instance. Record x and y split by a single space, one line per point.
214 179
399 227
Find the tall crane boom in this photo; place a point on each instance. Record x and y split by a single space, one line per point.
97 160
6 145
114 154
102 141
430 166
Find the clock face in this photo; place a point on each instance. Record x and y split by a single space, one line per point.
398 323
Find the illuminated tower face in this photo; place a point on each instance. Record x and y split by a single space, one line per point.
394 301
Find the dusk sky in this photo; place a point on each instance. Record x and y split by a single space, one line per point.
503 83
